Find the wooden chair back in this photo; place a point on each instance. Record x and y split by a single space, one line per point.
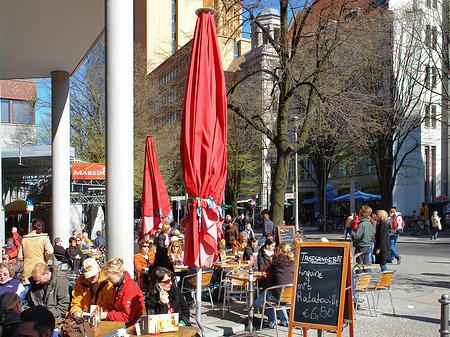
385 280
286 294
206 277
363 281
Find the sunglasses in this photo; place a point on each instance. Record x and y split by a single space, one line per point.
145 246
167 281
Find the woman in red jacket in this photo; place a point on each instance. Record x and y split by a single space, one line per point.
128 301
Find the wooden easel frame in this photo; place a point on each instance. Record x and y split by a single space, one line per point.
346 291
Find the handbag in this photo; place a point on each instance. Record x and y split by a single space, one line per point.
77 327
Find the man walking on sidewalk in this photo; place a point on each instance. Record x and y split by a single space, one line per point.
393 234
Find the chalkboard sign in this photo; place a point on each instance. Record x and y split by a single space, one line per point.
322 273
286 234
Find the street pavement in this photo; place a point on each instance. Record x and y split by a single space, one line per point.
419 281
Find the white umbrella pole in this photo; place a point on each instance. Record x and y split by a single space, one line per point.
198 309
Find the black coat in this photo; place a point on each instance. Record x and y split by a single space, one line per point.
176 299
262 259
248 251
281 272
382 242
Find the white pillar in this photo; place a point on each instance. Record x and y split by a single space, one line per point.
119 131
60 225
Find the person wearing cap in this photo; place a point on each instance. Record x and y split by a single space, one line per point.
91 287
48 289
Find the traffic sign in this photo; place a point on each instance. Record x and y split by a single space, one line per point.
253 206
253 196
30 205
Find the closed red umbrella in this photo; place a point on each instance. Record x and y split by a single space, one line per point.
203 143
156 208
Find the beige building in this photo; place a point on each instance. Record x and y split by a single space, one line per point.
162 27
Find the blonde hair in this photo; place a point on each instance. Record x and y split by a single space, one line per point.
8 267
152 248
285 250
180 251
113 266
175 232
382 214
298 239
39 269
165 228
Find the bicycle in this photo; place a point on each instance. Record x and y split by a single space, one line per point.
419 228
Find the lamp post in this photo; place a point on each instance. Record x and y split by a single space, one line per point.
296 189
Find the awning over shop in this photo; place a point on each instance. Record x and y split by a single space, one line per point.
16 207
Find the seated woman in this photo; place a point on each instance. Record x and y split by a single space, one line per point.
142 261
281 272
74 254
176 254
8 283
250 249
10 309
266 250
165 297
128 301
85 242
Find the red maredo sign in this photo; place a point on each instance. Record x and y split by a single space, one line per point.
88 171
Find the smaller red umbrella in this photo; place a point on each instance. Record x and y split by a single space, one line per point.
156 207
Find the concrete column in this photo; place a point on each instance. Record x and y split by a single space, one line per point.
60 225
119 131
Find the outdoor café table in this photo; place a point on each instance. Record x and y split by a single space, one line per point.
251 277
183 331
106 328
180 269
234 264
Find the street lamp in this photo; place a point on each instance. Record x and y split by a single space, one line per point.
296 222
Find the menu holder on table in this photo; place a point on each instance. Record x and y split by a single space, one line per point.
155 324
93 315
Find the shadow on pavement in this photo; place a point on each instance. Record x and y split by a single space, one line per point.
416 318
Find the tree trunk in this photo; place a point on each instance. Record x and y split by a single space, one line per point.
279 186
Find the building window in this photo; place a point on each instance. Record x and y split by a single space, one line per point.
428 3
5 110
427 115
23 112
427 35
434 38
433 116
174 26
430 173
303 168
236 50
434 77
434 3
427 77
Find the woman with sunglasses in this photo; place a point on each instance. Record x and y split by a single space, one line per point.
165 297
142 261
176 255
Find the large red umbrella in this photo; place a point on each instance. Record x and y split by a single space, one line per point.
156 208
203 143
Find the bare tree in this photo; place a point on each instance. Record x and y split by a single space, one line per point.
310 35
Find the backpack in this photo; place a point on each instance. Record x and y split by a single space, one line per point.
398 224
76 327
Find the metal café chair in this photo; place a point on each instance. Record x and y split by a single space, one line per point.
383 284
284 302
